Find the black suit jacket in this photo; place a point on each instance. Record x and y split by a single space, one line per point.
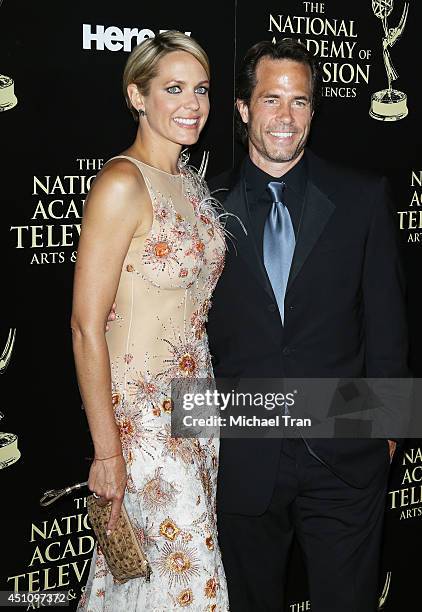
344 317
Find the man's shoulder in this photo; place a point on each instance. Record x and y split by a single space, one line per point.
339 175
224 181
351 188
328 175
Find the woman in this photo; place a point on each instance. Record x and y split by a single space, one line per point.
152 239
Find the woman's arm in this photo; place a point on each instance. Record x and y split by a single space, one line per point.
113 214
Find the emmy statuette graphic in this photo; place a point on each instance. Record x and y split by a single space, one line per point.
9 452
8 99
389 104
385 591
7 352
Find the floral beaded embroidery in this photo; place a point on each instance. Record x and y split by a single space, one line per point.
163 300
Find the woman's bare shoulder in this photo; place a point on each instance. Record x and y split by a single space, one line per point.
121 176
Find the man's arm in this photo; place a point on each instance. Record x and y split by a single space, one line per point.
384 294
385 324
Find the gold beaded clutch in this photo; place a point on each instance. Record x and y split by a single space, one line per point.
124 555
121 549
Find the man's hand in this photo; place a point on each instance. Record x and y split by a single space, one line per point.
393 446
111 316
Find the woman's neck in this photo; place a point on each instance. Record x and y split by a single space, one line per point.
163 155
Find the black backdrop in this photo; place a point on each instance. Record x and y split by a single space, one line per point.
70 113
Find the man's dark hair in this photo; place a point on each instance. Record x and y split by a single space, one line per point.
288 49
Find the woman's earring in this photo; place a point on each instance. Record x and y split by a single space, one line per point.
141 112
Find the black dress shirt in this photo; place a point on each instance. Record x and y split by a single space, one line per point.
259 198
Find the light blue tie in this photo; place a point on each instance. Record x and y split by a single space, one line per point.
279 244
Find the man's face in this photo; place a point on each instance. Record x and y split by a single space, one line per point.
279 113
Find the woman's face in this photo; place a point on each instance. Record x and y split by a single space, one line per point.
177 105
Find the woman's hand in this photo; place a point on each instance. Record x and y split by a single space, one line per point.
107 479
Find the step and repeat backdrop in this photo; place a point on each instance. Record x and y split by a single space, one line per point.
62 115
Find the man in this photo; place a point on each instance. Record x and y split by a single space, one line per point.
314 289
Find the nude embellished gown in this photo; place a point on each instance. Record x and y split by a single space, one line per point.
163 297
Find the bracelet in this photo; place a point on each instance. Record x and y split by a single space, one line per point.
111 457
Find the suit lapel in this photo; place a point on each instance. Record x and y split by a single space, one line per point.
318 209
242 244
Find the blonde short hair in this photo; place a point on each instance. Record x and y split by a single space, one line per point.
141 65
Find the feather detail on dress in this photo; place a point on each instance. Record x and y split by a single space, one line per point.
205 204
